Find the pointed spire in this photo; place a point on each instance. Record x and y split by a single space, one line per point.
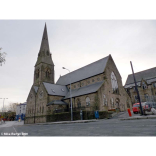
44 55
44 42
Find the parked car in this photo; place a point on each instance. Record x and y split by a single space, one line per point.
136 107
149 106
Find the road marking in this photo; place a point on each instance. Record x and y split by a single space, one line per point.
14 129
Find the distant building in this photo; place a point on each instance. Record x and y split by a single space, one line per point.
146 82
21 110
99 79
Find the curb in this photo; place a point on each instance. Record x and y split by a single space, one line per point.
64 122
136 118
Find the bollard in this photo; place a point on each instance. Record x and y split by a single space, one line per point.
129 112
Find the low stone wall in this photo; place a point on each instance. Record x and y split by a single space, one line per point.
66 116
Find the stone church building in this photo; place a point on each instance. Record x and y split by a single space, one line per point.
99 79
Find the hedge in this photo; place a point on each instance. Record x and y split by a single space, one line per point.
87 115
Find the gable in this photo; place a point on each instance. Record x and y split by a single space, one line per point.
90 70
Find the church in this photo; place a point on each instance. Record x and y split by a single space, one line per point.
96 86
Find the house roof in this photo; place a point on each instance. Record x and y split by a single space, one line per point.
57 102
54 89
90 70
84 90
149 75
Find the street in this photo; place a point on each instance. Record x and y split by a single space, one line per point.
103 127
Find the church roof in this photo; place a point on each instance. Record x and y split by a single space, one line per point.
54 89
149 75
57 102
84 90
90 70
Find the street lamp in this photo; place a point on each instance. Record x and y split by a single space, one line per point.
3 104
70 96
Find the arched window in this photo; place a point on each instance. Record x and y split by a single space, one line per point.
48 73
114 83
78 103
104 100
37 73
88 101
42 109
144 86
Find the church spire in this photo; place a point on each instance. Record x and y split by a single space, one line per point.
44 67
44 55
44 42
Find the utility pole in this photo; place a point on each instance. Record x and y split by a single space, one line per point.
136 88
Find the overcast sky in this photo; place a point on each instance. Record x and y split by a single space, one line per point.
73 44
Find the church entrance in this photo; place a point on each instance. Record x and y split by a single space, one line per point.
117 103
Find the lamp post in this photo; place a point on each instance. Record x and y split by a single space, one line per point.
70 96
3 105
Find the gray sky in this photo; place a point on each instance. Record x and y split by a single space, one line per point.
73 44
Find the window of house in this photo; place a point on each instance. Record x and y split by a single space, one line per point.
144 86
42 109
154 85
146 97
98 79
104 100
82 83
74 86
136 98
92 80
88 101
114 83
88 82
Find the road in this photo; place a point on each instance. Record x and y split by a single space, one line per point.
103 127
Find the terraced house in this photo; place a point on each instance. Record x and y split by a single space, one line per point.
146 82
95 86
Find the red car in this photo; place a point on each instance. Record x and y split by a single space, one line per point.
136 108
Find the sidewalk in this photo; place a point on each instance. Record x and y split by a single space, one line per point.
140 117
64 122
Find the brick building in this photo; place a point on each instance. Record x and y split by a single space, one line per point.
99 79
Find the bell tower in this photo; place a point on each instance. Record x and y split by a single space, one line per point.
44 67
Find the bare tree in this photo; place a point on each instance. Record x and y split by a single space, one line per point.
2 57
12 107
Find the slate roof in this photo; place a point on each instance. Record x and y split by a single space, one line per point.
57 102
36 88
90 70
54 89
85 90
149 75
